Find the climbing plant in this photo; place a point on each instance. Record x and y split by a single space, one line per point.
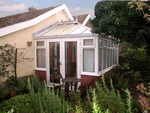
9 60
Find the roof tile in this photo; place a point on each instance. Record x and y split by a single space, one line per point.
81 19
17 18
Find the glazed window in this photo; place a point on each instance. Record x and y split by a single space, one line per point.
88 60
40 43
87 42
40 54
41 61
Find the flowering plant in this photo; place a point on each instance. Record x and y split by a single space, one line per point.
144 97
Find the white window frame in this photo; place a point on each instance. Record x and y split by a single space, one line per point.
112 48
94 46
88 46
39 47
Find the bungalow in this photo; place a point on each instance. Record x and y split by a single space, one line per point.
60 44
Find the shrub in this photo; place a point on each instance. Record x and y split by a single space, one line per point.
22 86
144 97
20 103
111 100
45 99
135 63
101 101
12 81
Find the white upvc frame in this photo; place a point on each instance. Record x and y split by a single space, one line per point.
88 46
111 47
95 47
78 56
62 57
39 47
47 58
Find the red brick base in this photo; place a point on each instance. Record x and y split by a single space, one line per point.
41 75
86 79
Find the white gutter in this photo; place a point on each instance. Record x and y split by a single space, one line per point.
66 36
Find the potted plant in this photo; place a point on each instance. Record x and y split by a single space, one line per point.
12 84
13 91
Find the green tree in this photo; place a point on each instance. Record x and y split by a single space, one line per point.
118 19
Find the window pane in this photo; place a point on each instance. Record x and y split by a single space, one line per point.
111 44
105 43
40 43
88 42
41 61
108 43
54 58
108 59
104 58
100 42
100 59
70 59
88 60
114 56
111 57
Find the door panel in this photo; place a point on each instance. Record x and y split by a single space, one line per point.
70 59
54 58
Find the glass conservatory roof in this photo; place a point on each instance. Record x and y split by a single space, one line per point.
65 28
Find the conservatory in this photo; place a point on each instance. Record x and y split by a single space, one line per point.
72 50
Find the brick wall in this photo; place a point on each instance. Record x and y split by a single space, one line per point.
41 75
86 79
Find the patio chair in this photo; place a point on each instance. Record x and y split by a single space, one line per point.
56 78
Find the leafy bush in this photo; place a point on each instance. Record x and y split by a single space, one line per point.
45 99
12 81
3 93
20 103
22 86
109 99
134 63
144 96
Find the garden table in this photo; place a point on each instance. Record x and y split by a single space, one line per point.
70 81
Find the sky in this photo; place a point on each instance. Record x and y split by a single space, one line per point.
76 7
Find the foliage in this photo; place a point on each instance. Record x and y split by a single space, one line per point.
109 99
144 97
12 81
45 99
22 85
11 111
140 6
20 103
96 108
7 59
128 102
3 93
117 19
134 64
